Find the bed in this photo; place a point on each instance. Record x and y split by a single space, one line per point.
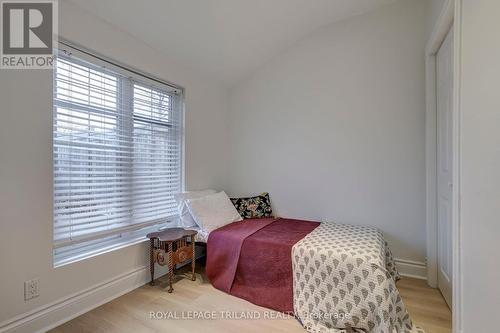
331 277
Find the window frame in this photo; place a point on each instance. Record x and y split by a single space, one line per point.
139 77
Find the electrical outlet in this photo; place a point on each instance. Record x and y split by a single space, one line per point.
31 289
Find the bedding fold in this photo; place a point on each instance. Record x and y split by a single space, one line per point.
223 250
251 260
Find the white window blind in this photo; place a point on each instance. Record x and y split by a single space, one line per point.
117 155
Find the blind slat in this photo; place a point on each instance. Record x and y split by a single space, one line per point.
61 192
118 218
105 233
111 206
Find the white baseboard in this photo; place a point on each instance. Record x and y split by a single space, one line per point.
56 313
53 314
410 268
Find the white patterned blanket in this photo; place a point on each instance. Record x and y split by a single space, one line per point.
344 281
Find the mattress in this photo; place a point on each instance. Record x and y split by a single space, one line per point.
332 277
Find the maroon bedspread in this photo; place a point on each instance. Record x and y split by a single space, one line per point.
252 260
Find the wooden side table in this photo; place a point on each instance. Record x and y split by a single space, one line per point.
171 247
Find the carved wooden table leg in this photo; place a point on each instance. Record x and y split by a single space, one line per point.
193 258
170 266
152 262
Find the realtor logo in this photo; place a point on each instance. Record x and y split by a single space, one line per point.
28 30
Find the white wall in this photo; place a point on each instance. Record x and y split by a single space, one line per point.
480 165
434 9
334 127
26 164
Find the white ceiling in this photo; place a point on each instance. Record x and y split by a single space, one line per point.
227 39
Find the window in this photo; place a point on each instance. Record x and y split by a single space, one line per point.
117 155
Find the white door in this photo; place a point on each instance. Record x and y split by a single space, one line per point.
444 86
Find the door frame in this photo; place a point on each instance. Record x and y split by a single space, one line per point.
450 16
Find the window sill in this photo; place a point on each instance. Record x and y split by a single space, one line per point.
88 255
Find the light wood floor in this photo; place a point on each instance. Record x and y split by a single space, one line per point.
131 312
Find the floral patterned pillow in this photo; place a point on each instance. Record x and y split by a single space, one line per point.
254 207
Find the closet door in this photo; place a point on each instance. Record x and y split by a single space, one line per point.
444 86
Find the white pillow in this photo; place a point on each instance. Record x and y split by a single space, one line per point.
186 221
213 211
